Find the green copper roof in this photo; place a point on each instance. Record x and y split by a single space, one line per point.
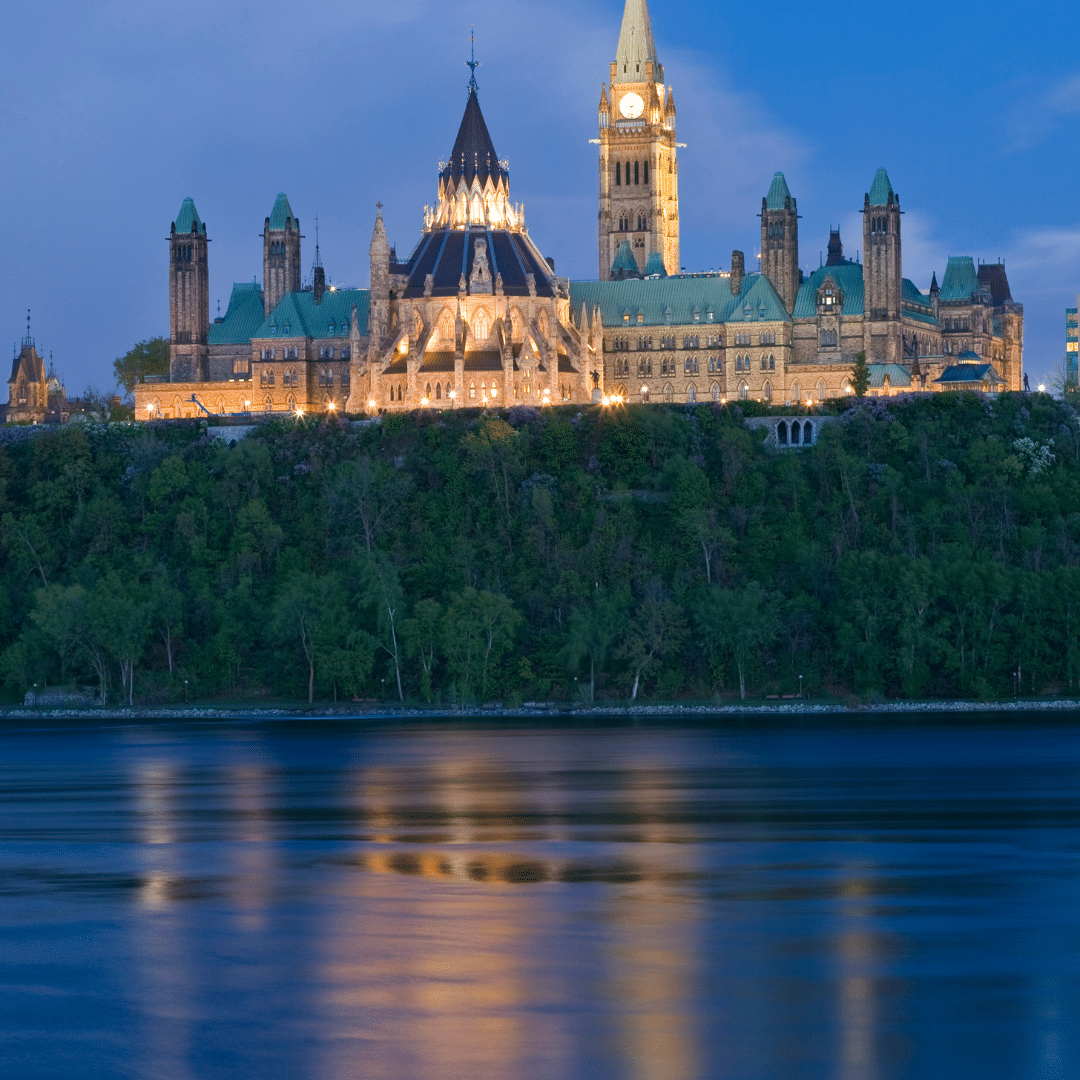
282 213
899 375
624 262
961 280
915 304
678 301
880 189
188 219
655 266
778 192
298 316
242 318
848 275
969 373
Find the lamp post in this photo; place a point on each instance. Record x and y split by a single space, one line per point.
185 691
35 695
1015 675
800 688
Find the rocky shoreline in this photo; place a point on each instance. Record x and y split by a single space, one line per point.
541 711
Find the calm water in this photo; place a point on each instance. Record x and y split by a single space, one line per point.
442 901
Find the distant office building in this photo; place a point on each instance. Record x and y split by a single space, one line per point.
1071 339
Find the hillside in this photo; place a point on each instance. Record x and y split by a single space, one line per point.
925 547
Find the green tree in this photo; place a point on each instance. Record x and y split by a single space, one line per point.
591 632
65 615
742 621
422 634
860 375
477 633
150 357
656 630
311 610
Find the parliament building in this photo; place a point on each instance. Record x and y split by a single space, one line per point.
476 315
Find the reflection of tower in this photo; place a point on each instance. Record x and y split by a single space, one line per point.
281 253
639 180
189 296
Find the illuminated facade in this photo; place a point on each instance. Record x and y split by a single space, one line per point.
475 314
779 335
1071 340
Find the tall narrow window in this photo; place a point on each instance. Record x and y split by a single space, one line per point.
645 172
618 173
635 172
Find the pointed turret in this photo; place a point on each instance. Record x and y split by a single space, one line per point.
189 295
281 253
636 45
778 193
836 249
624 264
780 240
881 191
882 275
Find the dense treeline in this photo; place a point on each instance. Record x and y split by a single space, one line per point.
925 546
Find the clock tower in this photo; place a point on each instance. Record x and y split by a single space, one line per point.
639 177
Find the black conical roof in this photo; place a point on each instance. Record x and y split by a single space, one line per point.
473 154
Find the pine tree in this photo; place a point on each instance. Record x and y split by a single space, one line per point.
860 375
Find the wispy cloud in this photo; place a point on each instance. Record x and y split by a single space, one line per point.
1038 111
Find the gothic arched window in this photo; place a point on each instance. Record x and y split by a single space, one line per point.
618 173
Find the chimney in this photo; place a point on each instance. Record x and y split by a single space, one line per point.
738 270
320 284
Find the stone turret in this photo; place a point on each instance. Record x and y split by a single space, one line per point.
780 241
882 277
189 296
379 252
281 253
738 271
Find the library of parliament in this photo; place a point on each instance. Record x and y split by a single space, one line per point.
476 315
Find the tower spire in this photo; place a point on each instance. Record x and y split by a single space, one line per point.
472 63
636 45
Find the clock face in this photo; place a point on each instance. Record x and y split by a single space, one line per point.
631 106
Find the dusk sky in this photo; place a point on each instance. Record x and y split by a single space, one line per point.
112 113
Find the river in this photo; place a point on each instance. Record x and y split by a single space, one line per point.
596 900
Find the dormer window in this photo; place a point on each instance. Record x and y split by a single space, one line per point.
829 298
331 330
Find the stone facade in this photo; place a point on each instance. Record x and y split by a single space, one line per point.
35 396
477 316
639 172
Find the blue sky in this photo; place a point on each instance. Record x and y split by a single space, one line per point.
112 112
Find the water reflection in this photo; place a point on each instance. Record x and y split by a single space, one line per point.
651 903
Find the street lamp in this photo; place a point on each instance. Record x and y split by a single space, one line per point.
331 406
185 691
800 688
1042 388
1016 675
